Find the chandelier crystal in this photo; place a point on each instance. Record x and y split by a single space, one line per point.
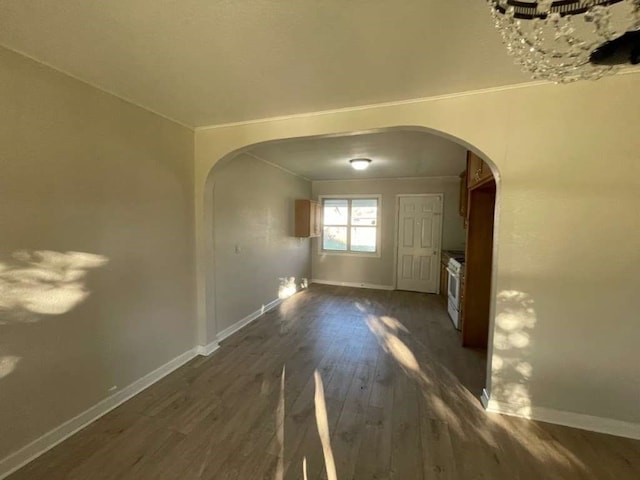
568 40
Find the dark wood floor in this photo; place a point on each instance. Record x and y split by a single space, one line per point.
383 372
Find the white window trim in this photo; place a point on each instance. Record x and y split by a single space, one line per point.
351 196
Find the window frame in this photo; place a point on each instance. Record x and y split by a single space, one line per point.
378 227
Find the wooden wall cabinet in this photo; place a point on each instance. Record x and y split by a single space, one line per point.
308 218
478 172
462 209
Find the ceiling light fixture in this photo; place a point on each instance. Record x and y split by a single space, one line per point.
360 163
568 40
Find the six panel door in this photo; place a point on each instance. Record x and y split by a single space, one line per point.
419 234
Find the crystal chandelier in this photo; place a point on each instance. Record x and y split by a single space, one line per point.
568 40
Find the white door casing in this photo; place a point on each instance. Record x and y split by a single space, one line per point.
419 242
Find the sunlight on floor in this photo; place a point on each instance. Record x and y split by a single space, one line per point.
280 413
446 397
385 329
323 428
290 302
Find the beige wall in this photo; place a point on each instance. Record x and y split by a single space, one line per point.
82 171
566 302
380 270
253 204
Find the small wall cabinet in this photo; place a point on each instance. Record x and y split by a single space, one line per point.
307 218
478 172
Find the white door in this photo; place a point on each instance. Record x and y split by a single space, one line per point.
419 237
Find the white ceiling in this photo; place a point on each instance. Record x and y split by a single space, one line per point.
205 62
393 154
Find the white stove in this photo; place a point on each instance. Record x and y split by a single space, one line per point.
455 268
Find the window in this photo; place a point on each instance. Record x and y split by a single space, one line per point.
350 224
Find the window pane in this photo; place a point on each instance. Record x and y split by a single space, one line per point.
336 211
334 238
363 239
364 211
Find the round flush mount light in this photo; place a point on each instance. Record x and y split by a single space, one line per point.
360 163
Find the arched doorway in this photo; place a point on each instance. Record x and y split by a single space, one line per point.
210 327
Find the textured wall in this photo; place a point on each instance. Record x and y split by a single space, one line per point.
96 252
253 205
380 270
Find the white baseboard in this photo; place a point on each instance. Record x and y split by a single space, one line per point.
206 350
52 438
569 419
484 398
354 284
227 332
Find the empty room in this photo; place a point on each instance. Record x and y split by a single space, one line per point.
319 240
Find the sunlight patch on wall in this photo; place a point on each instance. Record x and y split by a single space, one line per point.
288 287
514 322
44 282
8 364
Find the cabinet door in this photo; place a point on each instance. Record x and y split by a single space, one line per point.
474 169
308 218
302 218
462 209
477 170
485 173
316 219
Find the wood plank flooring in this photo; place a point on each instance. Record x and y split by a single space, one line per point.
400 402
